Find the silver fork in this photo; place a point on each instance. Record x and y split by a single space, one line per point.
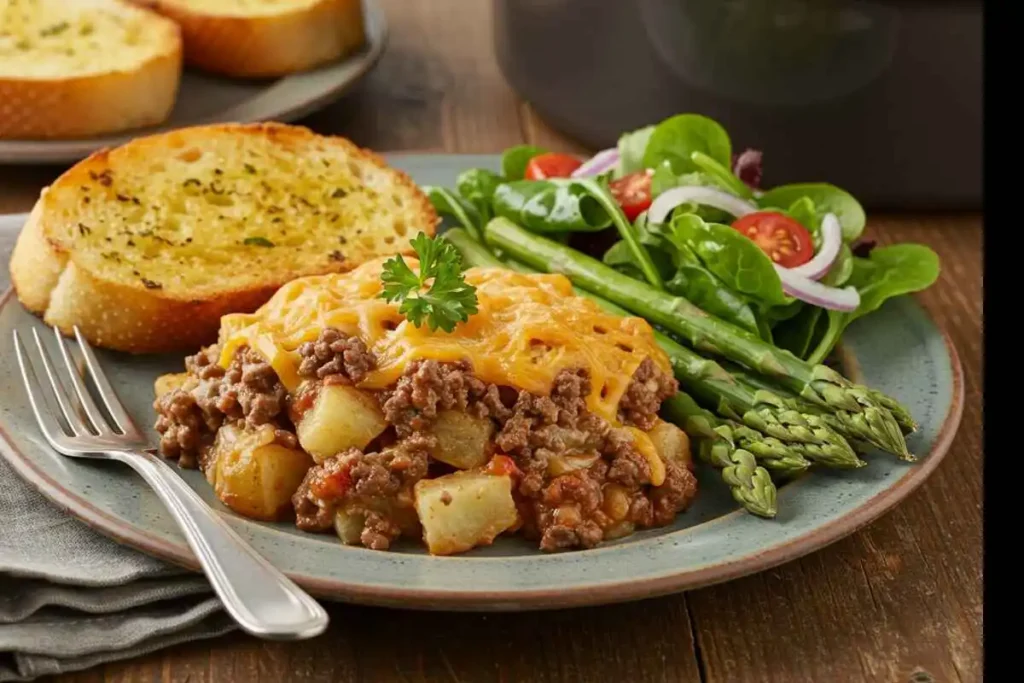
260 598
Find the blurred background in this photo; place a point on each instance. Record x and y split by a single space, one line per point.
880 97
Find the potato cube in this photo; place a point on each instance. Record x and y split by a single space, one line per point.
165 384
340 418
253 475
463 510
672 443
463 441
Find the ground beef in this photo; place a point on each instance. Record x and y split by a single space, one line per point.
182 427
365 482
650 386
189 417
675 494
337 356
428 386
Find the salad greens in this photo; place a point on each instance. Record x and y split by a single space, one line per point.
696 253
772 301
550 206
736 260
631 151
825 199
515 159
476 186
676 139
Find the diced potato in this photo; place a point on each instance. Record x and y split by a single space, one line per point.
463 510
463 441
340 418
165 384
254 476
672 443
349 526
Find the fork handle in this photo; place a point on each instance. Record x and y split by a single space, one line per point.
260 598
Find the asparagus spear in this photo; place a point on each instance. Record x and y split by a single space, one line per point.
816 383
750 484
703 426
760 410
864 426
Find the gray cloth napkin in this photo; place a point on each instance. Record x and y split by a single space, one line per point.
71 598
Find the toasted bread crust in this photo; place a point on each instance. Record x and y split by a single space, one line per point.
267 46
131 317
73 106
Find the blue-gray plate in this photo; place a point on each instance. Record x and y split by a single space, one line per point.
897 349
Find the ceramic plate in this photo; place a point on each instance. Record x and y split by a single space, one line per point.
204 98
898 350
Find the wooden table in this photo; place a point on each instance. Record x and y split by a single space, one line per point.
897 601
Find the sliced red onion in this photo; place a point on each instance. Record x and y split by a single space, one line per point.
601 162
708 196
831 243
805 289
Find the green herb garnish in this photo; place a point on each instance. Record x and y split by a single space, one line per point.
449 299
257 242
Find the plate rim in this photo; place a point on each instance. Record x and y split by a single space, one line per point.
44 152
619 590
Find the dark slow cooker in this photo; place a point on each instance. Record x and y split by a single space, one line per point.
882 98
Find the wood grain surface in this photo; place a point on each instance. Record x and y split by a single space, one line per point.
897 601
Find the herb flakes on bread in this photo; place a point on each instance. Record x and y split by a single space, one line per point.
146 246
86 67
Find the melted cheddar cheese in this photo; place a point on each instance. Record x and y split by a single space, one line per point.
528 329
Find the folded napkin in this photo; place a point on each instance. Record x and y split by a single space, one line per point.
71 598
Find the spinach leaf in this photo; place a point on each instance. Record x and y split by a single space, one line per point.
722 175
795 334
736 260
547 206
827 199
892 271
448 204
806 214
677 138
515 159
841 270
620 257
477 186
887 273
631 151
701 287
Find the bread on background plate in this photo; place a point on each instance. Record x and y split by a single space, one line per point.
146 246
83 68
265 38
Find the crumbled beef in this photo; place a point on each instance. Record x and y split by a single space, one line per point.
189 417
650 386
367 482
337 356
675 494
428 386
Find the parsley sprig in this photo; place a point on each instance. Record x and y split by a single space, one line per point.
449 299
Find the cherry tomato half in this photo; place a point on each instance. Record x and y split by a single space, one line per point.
551 165
633 193
784 240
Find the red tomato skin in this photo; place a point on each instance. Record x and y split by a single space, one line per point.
551 165
783 239
633 193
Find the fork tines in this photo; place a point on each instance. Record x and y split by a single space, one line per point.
82 417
